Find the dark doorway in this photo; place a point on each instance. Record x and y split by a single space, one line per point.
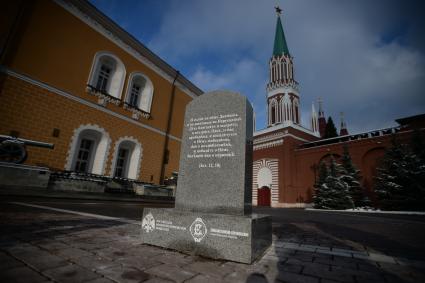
264 196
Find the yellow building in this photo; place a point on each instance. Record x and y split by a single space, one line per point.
72 77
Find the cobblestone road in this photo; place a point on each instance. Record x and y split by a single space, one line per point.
38 245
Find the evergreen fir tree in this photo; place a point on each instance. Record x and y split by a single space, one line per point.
320 194
339 192
330 130
416 162
333 192
352 177
417 144
401 178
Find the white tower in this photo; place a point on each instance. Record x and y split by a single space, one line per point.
282 90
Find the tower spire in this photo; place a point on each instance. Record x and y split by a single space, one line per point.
280 47
321 113
314 120
322 119
343 129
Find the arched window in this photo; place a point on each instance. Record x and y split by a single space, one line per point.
297 117
281 113
279 74
282 71
287 106
285 111
273 112
88 150
127 158
296 112
140 92
292 71
107 74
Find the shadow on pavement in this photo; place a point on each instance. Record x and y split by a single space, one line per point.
30 226
294 265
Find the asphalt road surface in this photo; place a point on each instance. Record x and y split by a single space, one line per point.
397 235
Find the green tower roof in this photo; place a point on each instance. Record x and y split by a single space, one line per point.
280 46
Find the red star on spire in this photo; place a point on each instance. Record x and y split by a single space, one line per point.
278 10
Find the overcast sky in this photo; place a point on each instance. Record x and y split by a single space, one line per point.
364 58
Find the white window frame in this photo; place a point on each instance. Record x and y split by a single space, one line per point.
134 160
117 77
147 91
100 151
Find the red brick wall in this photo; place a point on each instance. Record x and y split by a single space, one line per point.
296 166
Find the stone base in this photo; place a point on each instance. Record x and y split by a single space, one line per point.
229 237
72 185
23 176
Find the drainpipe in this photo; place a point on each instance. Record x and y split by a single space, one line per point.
167 132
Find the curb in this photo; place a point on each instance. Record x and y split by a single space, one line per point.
370 211
79 196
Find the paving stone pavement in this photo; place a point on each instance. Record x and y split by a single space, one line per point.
60 247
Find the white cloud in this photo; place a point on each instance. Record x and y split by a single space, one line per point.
198 27
234 76
339 51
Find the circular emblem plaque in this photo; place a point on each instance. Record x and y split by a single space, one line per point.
148 223
198 229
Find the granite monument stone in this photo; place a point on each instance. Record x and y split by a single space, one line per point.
212 215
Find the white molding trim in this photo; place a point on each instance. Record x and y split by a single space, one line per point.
268 138
268 144
82 101
282 90
117 41
134 154
73 146
259 141
273 165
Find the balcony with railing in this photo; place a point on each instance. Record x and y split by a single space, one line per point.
136 111
103 95
104 98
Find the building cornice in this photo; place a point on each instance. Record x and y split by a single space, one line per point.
273 140
276 86
268 144
90 15
370 136
283 90
67 95
268 138
285 125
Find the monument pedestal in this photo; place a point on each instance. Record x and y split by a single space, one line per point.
213 197
237 238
